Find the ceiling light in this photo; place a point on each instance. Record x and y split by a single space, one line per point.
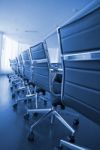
31 31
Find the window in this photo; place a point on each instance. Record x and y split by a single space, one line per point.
10 50
53 48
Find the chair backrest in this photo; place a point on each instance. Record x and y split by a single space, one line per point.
52 44
14 65
80 47
40 66
20 65
27 65
54 60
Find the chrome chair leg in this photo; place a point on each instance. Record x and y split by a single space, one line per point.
56 115
31 133
27 97
63 122
70 146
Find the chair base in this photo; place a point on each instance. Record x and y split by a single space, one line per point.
51 112
15 106
70 146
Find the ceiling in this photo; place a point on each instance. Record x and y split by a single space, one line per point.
29 21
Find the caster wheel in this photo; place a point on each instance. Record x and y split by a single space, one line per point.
62 107
18 92
76 122
23 91
11 88
13 95
26 116
45 103
59 148
71 139
35 114
25 101
31 137
55 105
29 100
15 86
15 106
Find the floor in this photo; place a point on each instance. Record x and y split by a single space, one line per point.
14 129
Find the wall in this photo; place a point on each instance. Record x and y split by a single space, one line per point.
1 46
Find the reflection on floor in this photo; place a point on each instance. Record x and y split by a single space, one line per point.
14 129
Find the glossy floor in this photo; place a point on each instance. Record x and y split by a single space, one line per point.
14 129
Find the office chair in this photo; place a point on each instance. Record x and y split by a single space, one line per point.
14 77
80 50
43 81
15 67
13 64
27 85
20 85
27 65
37 61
